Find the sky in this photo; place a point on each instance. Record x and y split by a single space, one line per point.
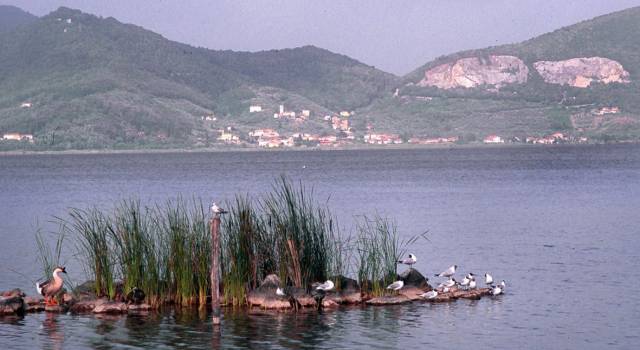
395 36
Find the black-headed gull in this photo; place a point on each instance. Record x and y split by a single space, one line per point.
412 259
448 272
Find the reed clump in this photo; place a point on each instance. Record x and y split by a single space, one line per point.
165 249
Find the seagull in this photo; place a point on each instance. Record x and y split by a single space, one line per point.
432 294
448 272
412 259
496 290
488 279
326 286
397 285
502 285
472 284
448 283
51 287
280 292
465 281
217 210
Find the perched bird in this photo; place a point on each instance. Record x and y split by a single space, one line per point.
488 279
432 294
448 272
397 285
451 282
472 284
503 285
446 290
496 290
326 286
216 209
465 281
135 296
51 287
412 259
280 292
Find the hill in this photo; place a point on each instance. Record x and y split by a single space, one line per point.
75 80
564 81
11 17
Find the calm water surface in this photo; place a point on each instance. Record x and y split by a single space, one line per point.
560 224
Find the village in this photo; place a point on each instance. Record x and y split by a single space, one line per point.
342 133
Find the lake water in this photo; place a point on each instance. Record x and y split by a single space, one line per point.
560 224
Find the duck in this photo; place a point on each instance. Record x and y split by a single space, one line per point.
50 288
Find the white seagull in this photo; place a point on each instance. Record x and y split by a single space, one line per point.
503 285
488 279
432 294
448 283
280 292
216 209
397 285
326 286
412 259
448 272
468 278
496 290
472 284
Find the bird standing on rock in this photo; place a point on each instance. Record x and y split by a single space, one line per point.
397 285
412 259
51 287
432 294
488 279
451 282
448 272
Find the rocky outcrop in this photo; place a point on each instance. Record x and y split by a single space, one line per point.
265 295
111 307
471 72
11 305
347 291
581 72
390 300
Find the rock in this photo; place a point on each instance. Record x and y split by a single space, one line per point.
329 303
472 72
85 291
56 308
111 307
582 71
16 292
87 305
347 291
33 304
12 305
265 295
413 278
139 307
412 293
389 300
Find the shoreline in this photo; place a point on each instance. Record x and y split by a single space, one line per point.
296 149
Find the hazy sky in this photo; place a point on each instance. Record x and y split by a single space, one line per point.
396 36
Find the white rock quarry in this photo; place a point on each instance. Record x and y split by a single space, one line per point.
472 72
582 71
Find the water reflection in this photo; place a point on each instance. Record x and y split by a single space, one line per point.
54 333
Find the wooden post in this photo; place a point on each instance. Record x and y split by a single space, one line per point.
215 266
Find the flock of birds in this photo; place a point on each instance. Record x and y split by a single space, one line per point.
469 281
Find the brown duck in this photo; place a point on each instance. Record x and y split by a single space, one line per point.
51 287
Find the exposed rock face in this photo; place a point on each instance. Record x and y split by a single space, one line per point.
11 305
111 307
414 278
581 72
477 71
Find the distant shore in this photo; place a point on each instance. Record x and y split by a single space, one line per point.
358 147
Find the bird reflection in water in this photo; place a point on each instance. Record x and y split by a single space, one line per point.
54 333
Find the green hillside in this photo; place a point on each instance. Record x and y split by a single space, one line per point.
12 17
95 83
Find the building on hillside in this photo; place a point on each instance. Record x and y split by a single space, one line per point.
254 109
382 139
26 105
306 113
345 114
229 138
493 139
16 136
264 133
606 110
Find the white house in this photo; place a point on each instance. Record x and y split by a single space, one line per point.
253 109
493 139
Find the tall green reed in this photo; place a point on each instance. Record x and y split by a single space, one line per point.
377 248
